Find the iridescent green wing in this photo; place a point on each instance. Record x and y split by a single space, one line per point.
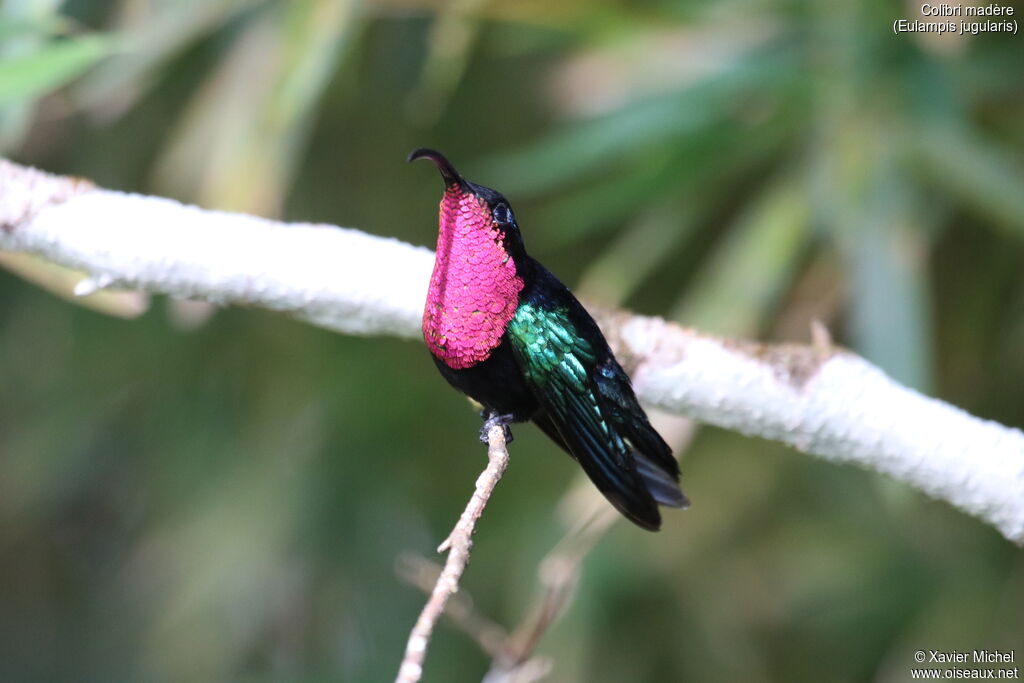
560 366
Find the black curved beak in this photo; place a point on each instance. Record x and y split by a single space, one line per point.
448 172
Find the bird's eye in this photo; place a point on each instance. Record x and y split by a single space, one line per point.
502 214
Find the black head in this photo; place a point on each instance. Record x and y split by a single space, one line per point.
500 210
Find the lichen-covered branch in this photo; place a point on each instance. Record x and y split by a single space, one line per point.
819 399
458 546
341 279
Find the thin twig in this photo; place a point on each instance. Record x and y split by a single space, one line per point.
558 573
422 573
458 544
590 517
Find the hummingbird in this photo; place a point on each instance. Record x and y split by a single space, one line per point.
505 331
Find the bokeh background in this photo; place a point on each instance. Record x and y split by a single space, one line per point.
190 494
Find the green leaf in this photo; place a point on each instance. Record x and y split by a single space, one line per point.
580 148
972 169
54 64
751 269
152 40
700 169
637 252
237 145
15 28
889 316
882 230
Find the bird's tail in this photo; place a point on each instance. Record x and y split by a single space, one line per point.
633 492
662 485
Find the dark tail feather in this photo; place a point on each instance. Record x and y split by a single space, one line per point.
655 463
653 457
662 485
632 492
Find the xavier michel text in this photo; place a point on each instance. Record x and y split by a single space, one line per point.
963 25
964 656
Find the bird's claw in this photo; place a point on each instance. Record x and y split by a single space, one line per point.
496 420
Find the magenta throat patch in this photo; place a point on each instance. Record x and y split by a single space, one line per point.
474 290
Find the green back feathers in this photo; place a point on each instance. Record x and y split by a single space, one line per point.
562 369
548 348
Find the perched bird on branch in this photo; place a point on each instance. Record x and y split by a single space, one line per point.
503 330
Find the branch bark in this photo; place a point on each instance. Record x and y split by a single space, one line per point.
819 399
419 572
458 545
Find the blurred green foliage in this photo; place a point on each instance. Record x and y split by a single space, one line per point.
184 498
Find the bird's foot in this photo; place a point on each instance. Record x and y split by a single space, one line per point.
492 419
